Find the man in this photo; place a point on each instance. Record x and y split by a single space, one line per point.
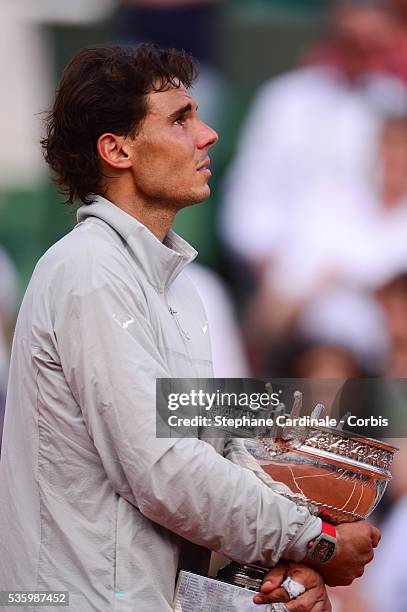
91 501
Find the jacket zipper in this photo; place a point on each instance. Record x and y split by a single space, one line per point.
184 334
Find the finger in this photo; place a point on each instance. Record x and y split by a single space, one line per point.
307 600
275 576
274 596
265 599
375 536
360 572
370 557
322 606
258 599
271 581
306 576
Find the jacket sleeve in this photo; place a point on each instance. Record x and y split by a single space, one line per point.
111 358
236 451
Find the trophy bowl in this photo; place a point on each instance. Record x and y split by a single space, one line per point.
335 474
338 475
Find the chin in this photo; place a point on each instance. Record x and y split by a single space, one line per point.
196 198
204 194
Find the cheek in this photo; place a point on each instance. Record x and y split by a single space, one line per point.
167 158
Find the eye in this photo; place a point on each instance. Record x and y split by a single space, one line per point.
181 120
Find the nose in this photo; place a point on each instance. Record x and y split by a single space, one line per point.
207 136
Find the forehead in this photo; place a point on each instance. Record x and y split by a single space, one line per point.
166 102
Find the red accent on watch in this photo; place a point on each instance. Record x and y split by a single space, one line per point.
323 548
328 529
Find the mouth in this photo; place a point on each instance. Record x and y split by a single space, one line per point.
203 168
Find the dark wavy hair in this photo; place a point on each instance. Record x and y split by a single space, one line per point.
104 89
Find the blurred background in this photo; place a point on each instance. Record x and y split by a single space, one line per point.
302 246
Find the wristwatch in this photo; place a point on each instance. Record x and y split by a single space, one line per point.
323 548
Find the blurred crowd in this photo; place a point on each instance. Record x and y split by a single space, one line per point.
311 207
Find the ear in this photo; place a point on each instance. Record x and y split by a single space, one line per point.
114 150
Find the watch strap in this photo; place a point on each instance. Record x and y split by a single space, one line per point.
322 549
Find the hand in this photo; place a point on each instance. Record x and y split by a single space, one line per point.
354 549
315 598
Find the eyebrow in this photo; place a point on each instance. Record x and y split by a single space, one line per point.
187 108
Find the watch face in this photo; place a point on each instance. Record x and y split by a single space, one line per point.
322 551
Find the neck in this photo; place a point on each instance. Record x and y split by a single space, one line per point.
158 217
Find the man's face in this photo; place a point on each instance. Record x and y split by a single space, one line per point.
170 152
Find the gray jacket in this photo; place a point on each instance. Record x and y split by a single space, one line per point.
90 500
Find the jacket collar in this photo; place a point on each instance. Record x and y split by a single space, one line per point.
161 262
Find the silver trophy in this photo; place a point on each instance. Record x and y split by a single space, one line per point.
337 475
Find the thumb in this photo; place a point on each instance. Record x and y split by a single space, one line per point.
274 577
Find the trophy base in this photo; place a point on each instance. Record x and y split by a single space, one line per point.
195 593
